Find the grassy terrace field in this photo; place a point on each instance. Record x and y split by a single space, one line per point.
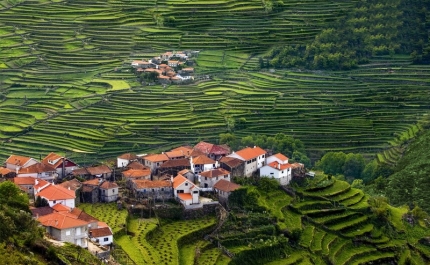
65 84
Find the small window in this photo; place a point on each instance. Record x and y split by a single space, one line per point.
216 178
225 176
54 202
106 239
282 171
186 183
153 190
162 189
196 191
206 178
68 233
213 165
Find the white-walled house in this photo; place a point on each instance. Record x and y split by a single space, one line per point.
15 162
157 189
56 194
125 159
202 163
155 161
280 158
66 228
38 170
209 178
185 191
254 158
102 235
109 191
280 172
60 163
224 188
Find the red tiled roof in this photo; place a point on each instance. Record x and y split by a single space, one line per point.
41 183
61 208
55 192
196 152
128 156
173 154
136 165
41 211
54 160
203 160
81 215
214 173
102 169
219 150
183 162
225 185
37 168
61 221
156 157
5 171
73 184
93 182
80 172
137 173
178 180
145 183
100 232
184 171
232 162
17 160
204 147
185 149
24 181
108 185
185 196
280 156
278 166
250 153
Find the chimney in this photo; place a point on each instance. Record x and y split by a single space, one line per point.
255 146
36 182
279 166
56 222
68 188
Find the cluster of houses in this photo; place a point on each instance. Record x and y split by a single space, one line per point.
182 173
169 67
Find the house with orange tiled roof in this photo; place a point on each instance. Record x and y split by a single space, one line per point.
109 191
277 167
213 151
56 194
103 235
224 188
179 154
7 173
125 159
185 191
185 150
234 165
202 163
62 164
15 162
188 174
155 189
208 179
154 161
66 227
254 159
133 174
26 184
39 170
173 166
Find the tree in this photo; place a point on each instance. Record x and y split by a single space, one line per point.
41 202
332 163
369 172
354 165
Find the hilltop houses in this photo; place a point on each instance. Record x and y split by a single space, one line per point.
168 67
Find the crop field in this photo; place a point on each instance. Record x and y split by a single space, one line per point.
66 85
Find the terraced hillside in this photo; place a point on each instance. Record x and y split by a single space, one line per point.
335 226
66 85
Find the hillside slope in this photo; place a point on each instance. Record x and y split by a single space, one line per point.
66 84
410 184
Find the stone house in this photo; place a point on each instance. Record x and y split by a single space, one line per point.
209 178
254 158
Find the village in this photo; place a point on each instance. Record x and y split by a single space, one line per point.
168 68
56 184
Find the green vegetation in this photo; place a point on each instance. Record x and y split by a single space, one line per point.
66 84
329 231
21 238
